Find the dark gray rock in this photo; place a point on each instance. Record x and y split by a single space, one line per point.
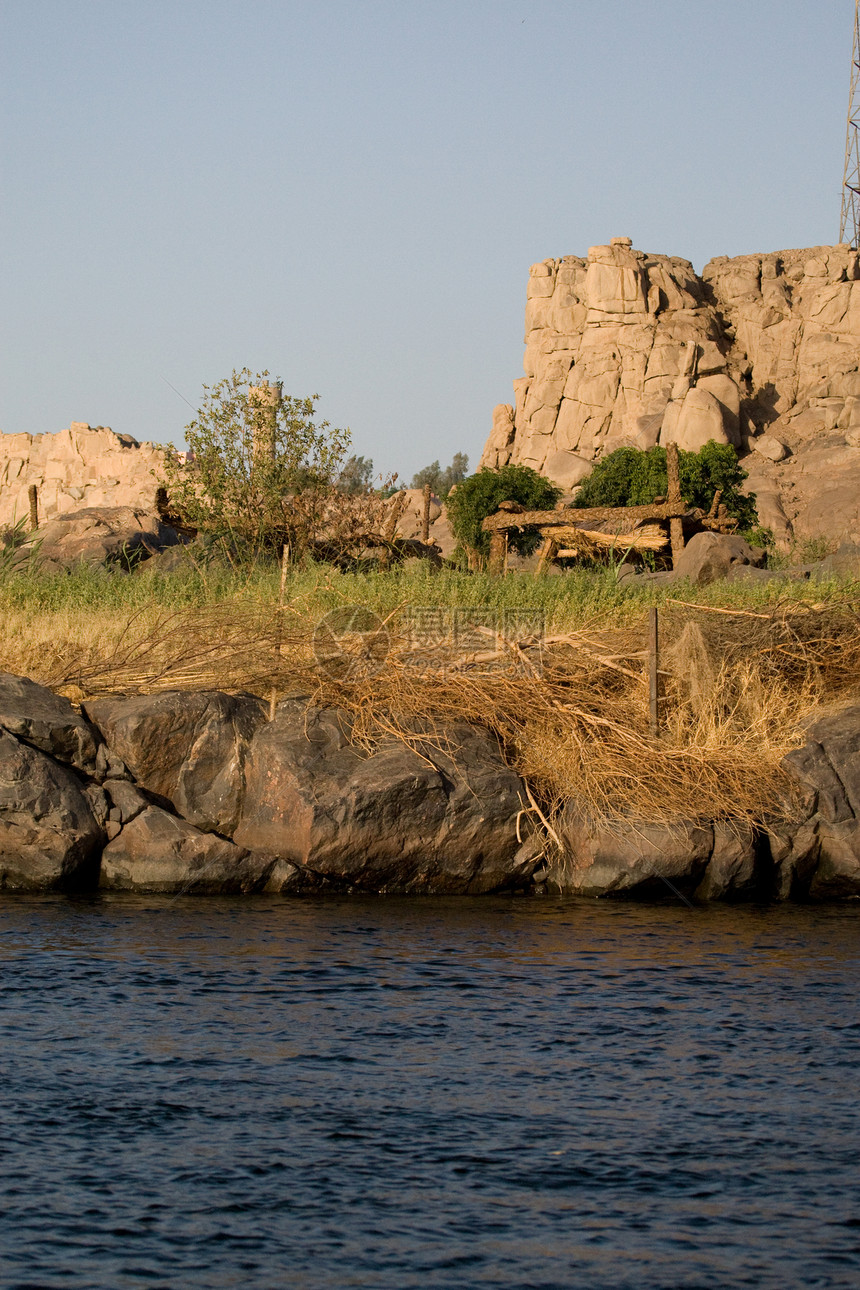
49 837
710 556
47 721
731 871
187 749
837 874
838 734
818 787
794 855
819 855
118 536
628 855
157 852
125 801
398 820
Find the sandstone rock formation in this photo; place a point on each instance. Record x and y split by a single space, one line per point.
83 466
760 351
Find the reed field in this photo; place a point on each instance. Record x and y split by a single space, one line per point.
743 666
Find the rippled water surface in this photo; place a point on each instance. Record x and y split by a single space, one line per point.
517 1093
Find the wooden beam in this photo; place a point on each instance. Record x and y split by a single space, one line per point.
625 515
653 673
673 497
673 473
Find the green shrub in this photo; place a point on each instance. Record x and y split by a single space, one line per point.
261 463
479 496
630 477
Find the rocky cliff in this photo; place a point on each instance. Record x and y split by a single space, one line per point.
760 351
83 466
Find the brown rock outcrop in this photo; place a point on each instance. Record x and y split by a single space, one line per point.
760 351
84 466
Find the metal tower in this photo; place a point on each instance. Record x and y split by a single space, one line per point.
849 225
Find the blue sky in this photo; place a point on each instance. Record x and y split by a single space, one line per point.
350 194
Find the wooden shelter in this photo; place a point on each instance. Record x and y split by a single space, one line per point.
568 532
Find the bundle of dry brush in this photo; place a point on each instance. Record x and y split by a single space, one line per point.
570 711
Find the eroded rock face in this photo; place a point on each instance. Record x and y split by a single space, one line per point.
158 852
49 836
47 721
760 351
188 749
293 806
630 855
392 821
820 856
82 467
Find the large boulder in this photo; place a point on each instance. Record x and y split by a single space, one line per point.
157 852
438 819
118 536
46 720
818 855
627 856
187 749
710 556
49 837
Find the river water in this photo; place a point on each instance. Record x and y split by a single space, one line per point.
492 1092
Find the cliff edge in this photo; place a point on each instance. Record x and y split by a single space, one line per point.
760 351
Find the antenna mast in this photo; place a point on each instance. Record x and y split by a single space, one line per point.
849 225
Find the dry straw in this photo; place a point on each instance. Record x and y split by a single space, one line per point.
570 713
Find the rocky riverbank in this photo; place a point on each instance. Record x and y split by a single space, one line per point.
201 793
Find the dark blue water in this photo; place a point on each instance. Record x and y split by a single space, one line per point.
517 1093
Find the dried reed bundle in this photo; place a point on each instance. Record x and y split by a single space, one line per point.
570 711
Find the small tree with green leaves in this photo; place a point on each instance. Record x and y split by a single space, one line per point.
356 476
442 481
630 477
263 469
479 496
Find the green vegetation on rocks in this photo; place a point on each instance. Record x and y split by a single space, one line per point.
630 477
479 496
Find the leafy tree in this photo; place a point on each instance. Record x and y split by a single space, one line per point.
479 496
630 477
442 481
263 468
356 475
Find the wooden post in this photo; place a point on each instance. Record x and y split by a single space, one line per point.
425 520
34 507
285 560
498 551
673 497
653 673
548 552
265 400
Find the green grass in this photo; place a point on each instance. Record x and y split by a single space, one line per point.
568 599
